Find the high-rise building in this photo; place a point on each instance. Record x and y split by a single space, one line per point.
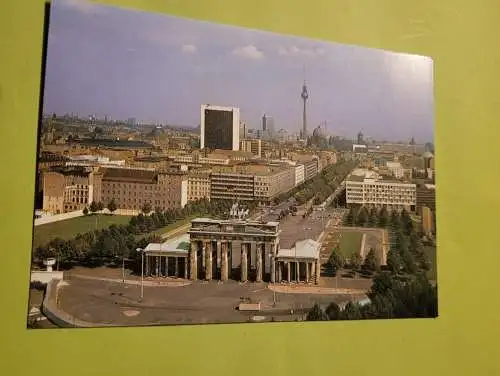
220 127
268 126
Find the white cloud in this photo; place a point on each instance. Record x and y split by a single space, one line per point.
296 51
189 48
249 52
82 6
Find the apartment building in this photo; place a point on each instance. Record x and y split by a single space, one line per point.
198 185
368 188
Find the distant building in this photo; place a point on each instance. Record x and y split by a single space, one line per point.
268 127
253 146
359 148
360 139
220 127
367 188
396 169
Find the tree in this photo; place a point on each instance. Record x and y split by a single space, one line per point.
100 206
383 217
355 261
333 311
352 311
350 218
370 264
94 207
146 208
336 260
362 217
85 211
373 218
316 314
159 209
394 261
112 206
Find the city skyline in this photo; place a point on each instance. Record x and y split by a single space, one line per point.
164 67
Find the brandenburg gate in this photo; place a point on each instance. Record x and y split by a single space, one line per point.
233 249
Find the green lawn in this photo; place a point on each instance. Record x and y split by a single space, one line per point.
69 228
431 254
174 225
350 242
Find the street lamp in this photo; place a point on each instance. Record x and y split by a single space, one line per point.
142 271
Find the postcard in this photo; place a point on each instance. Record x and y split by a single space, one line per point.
196 173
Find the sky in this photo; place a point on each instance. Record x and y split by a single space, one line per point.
124 63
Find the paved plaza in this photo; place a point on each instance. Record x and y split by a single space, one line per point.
103 302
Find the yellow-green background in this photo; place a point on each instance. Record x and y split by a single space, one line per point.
463 38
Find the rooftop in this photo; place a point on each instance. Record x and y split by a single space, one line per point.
179 245
232 221
307 248
127 174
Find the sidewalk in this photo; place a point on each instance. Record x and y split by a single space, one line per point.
147 283
285 289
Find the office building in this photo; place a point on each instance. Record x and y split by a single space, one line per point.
220 127
367 188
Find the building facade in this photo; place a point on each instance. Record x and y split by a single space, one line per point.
311 168
132 189
373 191
270 185
426 197
198 185
231 186
220 127
299 174
66 190
252 146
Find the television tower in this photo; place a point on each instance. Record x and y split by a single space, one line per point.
304 95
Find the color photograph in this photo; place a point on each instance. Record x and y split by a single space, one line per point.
190 172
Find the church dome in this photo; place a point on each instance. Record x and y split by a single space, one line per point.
427 155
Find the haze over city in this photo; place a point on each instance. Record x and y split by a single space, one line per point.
122 63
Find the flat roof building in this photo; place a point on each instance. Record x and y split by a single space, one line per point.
366 187
220 127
